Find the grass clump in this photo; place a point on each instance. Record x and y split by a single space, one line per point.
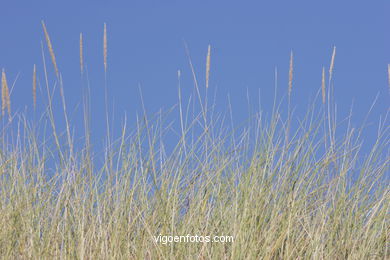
280 192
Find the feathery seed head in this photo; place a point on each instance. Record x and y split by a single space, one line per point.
290 74
3 92
105 47
50 46
208 66
81 54
388 74
5 97
331 67
323 85
34 86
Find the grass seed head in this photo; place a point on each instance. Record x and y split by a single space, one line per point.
5 96
388 74
331 67
323 85
34 86
81 54
105 47
3 92
50 46
208 66
8 100
290 74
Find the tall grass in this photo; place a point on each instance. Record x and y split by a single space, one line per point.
279 197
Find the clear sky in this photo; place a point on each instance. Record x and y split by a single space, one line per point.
248 38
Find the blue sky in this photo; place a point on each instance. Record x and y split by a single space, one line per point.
248 38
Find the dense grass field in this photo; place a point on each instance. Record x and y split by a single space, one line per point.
269 188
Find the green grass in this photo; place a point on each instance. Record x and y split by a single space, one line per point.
282 192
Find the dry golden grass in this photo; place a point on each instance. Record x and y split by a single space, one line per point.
50 46
208 66
274 202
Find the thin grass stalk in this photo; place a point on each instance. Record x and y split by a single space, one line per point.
106 89
330 95
323 89
205 100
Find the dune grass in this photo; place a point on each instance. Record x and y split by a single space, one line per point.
281 192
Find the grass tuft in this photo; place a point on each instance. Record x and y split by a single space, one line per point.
275 192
